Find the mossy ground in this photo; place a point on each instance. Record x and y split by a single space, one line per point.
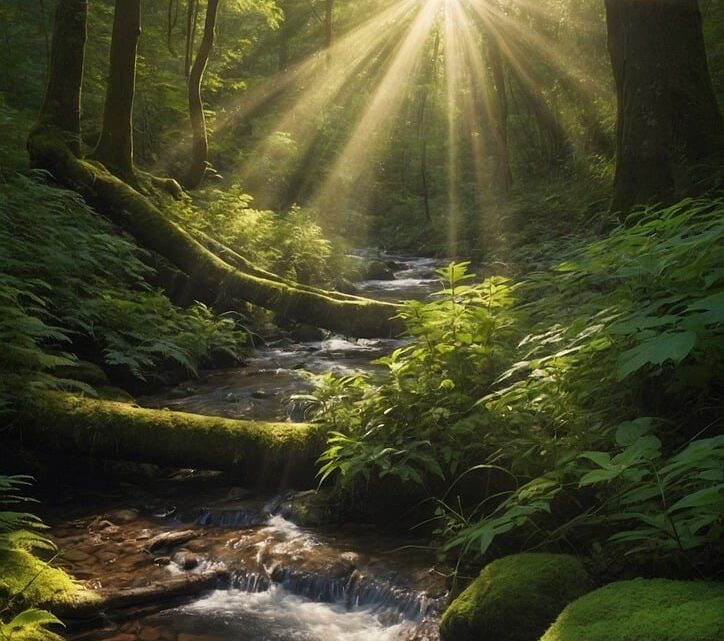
515 598
29 582
644 610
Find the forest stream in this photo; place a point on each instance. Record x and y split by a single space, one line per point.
200 560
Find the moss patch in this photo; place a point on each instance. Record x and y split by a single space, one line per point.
30 582
515 598
644 610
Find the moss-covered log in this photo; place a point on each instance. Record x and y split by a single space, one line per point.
212 279
274 455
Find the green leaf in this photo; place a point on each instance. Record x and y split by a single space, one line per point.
674 346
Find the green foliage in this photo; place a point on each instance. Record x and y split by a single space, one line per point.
67 278
289 244
600 415
18 533
638 325
417 421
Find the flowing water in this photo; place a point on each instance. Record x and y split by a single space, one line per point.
266 578
272 374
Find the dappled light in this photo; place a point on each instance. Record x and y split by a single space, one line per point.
361 320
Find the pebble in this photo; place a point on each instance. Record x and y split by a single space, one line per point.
107 557
123 516
75 556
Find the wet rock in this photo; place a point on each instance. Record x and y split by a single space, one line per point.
186 560
184 636
170 539
76 556
378 270
309 509
123 516
149 634
107 556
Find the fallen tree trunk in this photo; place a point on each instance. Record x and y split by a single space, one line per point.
272 455
212 280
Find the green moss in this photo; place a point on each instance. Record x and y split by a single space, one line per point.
515 598
30 582
267 453
644 610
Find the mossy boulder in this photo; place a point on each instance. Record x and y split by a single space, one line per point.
644 610
29 582
515 598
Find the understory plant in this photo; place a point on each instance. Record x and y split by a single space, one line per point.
19 532
595 387
69 281
418 419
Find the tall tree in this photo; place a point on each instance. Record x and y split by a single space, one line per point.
115 145
200 144
61 105
669 127
502 176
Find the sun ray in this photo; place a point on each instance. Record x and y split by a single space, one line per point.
357 157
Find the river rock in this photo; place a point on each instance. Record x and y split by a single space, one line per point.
149 634
186 560
377 270
123 516
515 598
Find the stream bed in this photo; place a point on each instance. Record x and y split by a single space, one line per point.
226 564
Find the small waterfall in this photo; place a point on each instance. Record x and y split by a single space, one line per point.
352 591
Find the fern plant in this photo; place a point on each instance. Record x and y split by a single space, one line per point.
20 530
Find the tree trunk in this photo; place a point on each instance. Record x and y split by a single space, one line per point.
200 144
669 127
115 146
270 454
61 106
211 279
502 176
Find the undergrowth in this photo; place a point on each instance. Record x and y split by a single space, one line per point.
69 281
593 389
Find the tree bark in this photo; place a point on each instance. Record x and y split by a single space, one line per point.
669 128
211 279
270 454
502 176
115 146
61 105
200 144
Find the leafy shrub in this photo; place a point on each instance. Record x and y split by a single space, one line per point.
417 421
603 409
290 244
638 336
67 276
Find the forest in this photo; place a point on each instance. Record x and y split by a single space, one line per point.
354 320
